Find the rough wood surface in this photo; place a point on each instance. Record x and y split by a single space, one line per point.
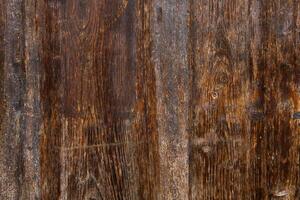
98 99
244 57
149 99
172 80
20 102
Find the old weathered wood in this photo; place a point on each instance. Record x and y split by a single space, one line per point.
172 80
244 57
20 102
149 99
100 137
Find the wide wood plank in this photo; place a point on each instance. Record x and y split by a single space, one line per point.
100 137
244 57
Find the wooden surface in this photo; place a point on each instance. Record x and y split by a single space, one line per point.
245 91
149 99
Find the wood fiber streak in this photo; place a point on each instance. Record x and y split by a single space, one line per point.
99 107
244 59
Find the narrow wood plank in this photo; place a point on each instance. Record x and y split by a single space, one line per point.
170 32
21 123
33 12
12 164
100 136
51 101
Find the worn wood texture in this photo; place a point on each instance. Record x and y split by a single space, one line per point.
20 102
149 99
244 57
99 104
171 66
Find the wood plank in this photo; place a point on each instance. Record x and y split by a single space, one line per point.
275 92
245 75
13 121
32 104
220 89
20 121
170 32
100 137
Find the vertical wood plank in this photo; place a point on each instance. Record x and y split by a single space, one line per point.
244 57
275 99
101 111
13 123
32 104
219 48
21 122
170 33
51 100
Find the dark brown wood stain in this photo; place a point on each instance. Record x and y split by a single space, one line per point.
149 99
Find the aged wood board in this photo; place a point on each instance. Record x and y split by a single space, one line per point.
149 99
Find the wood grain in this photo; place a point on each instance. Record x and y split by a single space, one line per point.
99 102
245 91
149 99
170 57
20 102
